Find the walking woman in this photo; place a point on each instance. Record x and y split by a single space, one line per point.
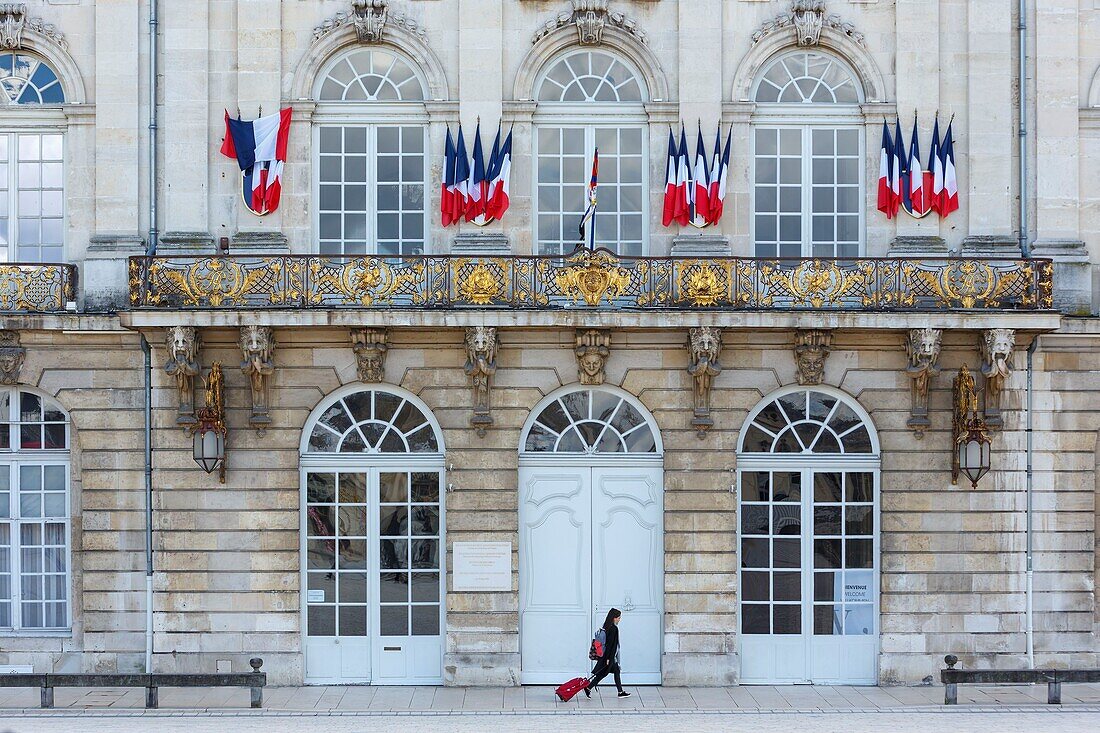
609 662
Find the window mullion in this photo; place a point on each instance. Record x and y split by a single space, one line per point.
13 198
371 228
807 191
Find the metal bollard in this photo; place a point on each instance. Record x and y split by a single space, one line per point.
1054 693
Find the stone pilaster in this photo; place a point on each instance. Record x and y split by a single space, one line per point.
987 180
118 98
918 85
259 74
185 140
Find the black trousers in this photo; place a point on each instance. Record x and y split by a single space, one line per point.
601 670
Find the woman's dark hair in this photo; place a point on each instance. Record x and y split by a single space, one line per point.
613 614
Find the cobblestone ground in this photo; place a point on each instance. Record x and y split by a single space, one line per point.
1065 720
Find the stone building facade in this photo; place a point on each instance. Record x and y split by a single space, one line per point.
403 399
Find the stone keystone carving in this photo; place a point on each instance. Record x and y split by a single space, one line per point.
809 15
811 349
704 346
923 349
258 348
808 18
370 19
592 349
12 355
370 346
481 365
182 343
591 17
996 346
14 20
13 16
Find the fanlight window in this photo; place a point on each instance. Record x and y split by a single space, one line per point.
29 80
373 422
372 75
590 76
590 421
807 422
807 77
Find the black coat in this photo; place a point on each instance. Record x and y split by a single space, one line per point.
611 648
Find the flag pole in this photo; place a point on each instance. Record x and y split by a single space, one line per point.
592 227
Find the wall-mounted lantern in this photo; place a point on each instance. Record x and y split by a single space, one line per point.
970 435
210 432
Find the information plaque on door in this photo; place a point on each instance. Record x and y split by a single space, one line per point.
482 566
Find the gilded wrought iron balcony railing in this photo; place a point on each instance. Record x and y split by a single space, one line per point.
589 279
33 287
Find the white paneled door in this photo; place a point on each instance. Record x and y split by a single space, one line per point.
591 538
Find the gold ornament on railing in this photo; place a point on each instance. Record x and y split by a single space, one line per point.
596 279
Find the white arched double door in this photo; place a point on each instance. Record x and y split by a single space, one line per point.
808 581
372 540
591 503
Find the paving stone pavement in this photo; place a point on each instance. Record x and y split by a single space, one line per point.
975 720
807 709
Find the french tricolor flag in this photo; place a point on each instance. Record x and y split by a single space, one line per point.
718 178
499 177
949 198
447 194
260 149
887 203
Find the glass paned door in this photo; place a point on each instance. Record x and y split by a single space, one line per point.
564 163
808 576
371 189
373 601
807 190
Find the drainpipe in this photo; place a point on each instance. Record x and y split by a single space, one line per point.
148 504
1029 594
153 233
1025 245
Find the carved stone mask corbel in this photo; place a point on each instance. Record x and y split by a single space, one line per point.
370 346
370 18
996 346
590 16
811 349
258 349
922 346
704 348
12 356
593 347
182 343
481 365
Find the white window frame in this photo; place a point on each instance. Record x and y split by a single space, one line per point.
371 119
614 121
807 124
12 130
331 113
15 458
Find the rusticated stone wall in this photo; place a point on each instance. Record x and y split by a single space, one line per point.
227 557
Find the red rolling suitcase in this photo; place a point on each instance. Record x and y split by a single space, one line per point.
566 692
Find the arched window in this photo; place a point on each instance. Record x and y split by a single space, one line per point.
806 422
590 76
371 155
34 512
807 77
373 421
589 100
590 421
807 158
372 75
32 189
